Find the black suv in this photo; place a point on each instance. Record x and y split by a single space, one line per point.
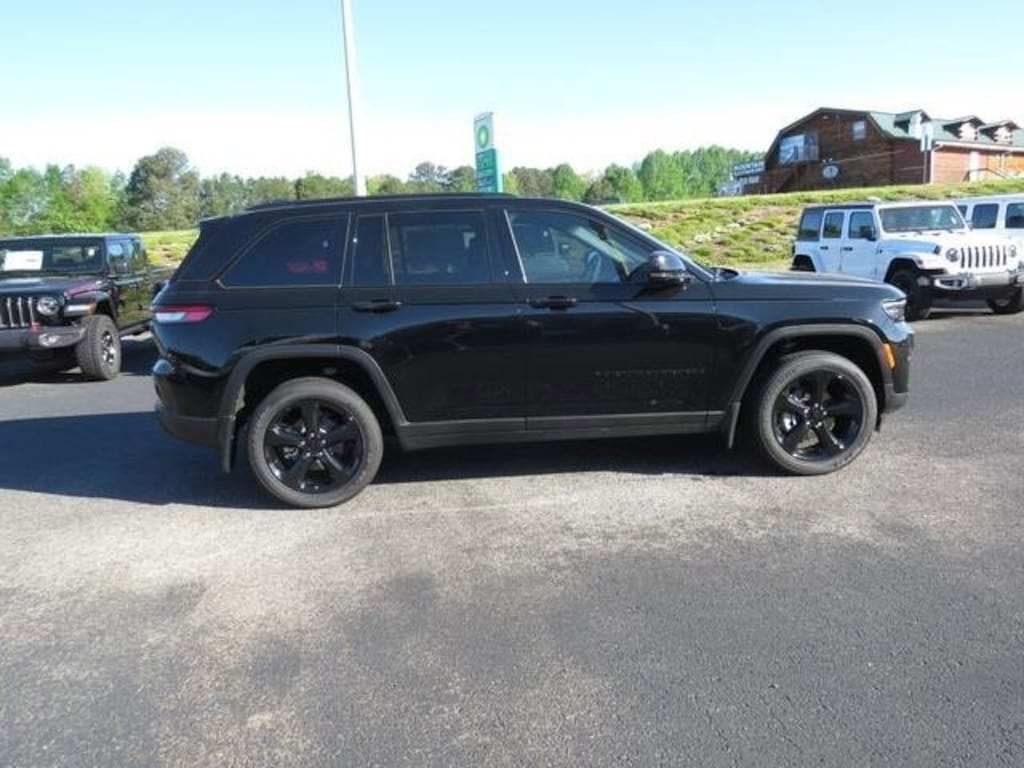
317 328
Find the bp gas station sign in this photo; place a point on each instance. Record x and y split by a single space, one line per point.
488 170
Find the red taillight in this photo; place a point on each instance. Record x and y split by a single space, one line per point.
186 314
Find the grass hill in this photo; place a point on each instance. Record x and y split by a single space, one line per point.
752 232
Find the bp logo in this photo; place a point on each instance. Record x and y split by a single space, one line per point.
483 136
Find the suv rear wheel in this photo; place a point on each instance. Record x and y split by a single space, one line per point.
814 413
314 443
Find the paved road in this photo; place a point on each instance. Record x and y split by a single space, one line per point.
638 603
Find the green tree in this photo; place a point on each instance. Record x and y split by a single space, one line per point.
92 194
385 184
427 178
162 193
660 176
566 183
461 179
23 200
313 186
531 182
221 195
268 189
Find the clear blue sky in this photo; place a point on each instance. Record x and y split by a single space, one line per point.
258 87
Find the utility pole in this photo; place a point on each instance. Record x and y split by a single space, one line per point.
353 94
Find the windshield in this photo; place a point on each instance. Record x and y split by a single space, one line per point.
918 218
42 258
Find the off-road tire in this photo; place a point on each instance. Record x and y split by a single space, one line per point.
99 352
919 297
1008 305
313 442
813 396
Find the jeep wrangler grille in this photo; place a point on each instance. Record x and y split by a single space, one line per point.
984 257
17 312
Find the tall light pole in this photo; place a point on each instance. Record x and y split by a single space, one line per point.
353 94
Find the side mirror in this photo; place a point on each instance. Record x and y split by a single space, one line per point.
120 266
665 268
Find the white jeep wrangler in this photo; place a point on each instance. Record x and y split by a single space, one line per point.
924 248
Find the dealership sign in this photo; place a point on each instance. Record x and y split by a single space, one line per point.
488 170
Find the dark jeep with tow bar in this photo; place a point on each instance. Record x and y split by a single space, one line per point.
312 330
73 297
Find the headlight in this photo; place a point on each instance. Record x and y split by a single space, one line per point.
895 308
953 254
47 306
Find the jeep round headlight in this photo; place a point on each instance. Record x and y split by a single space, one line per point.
1013 251
47 306
953 254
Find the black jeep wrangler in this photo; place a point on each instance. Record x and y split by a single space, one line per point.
73 296
314 329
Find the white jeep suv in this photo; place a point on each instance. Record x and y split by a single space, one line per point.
924 248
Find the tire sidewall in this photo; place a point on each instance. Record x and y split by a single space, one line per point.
919 302
89 351
287 395
792 367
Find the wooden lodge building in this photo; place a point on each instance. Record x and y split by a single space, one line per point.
832 148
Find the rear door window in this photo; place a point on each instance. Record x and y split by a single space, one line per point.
439 248
296 252
833 225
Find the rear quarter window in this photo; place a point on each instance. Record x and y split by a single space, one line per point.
295 252
810 226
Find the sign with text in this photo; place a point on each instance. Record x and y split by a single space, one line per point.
488 169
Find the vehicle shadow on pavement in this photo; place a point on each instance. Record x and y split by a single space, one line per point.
137 358
668 455
127 456
122 456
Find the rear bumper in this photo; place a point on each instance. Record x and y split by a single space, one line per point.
191 429
40 337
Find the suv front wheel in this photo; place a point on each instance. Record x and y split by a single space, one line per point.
919 297
314 443
814 413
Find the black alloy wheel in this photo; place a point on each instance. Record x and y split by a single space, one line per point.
314 443
816 412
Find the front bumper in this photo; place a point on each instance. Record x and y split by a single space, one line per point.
971 281
40 337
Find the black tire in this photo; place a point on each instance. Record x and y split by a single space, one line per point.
99 352
1010 304
314 443
802 264
813 413
919 297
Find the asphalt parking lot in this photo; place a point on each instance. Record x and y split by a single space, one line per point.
639 602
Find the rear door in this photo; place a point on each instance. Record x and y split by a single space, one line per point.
424 298
859 251
831 243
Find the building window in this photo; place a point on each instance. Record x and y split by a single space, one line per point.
860 130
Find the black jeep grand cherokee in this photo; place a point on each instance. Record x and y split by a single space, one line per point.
321 326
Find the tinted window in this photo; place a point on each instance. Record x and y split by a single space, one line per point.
439 248
862 225
569 248
1015 216
810 225
984 216
296 252
833 225
369 260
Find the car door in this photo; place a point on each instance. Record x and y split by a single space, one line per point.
599 344
859 251
128 284
829 247
422 297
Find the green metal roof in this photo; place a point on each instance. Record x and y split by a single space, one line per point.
896 125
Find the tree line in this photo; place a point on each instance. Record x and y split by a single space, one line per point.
164 192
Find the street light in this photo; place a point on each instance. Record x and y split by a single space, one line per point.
350 79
